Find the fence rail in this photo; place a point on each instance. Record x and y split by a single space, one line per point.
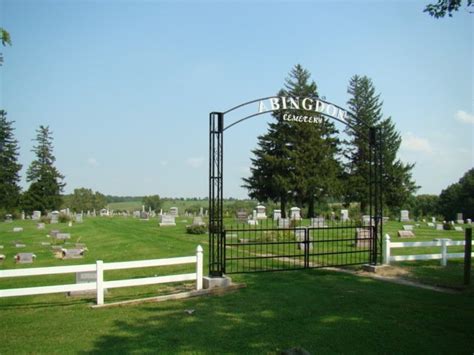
442 243
99 267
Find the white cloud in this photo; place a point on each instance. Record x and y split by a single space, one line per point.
92 162
416 144
464 117
195 162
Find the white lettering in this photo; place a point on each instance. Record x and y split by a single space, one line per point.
274 103
320 106
305 107
283 103
331 108
342 115
261 107
295 103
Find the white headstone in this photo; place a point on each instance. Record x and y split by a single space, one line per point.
439 227
458 229
468 221
318 222
344 215
22 215
295 213
54 217
18 229
284 223
459 218
261 212
276 215
167 220
433 219
404 216
431 224
36 215
408 227
78 217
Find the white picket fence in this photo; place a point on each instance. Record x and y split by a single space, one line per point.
442 243
99 267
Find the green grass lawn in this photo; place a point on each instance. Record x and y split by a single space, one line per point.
319 310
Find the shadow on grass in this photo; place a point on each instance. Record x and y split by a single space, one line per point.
321 311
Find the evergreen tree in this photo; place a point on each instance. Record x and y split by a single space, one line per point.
397 181
458 198
295 160
44 193
9 172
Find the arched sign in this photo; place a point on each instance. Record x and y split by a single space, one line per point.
305 110
291 108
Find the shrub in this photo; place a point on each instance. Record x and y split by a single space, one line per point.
63 218
448 226
45 219
196 229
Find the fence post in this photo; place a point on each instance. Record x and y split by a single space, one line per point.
100 282
444 252
386 250
199 257
467 255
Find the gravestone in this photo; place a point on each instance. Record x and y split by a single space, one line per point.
54 217
363 237
295 213
73 253
318 222
78 217
405 234
104 212
439 227
261 212
144 216
62 236
22 215
174 211
2 258
19 245
408 227
468 221
242 216
18 229
459 218
197 221
299 236
404 216
284 223
24 258
8 218
431 224
344 215
458 229
276 215
45 244
53 233
36 215
136 214
252 222
433 219
40 226
167 220
366 221
201 211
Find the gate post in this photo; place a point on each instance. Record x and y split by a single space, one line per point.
216 223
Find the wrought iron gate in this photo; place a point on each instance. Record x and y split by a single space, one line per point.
234 250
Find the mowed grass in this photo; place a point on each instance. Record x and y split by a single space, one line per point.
319 310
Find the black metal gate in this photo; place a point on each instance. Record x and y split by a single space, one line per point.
273 247
237 249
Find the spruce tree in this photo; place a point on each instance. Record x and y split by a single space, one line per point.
295 161
44 193
10 168
397 182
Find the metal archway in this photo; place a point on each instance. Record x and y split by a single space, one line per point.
217 233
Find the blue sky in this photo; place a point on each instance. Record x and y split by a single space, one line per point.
127 86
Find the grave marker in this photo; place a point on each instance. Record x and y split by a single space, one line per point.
24 258
404 216
295 213
276 215
405 234
167 220
344 215
363 237
261 212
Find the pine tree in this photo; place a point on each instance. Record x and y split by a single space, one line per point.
10 168
44 193
295 160
397 181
